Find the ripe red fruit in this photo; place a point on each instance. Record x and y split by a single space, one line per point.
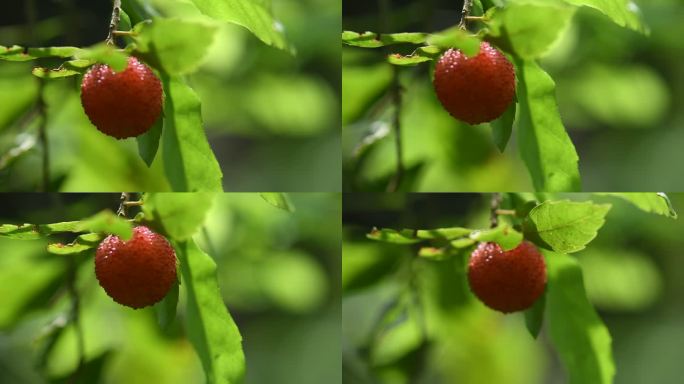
138 272
475 89
507 281
123 104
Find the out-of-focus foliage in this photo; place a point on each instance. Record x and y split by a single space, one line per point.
278 273
618 91
271 115
409 318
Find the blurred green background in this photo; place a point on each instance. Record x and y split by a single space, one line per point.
620 95
279 274
633 272
272 118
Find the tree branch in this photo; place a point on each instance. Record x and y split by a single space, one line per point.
467 5
114 23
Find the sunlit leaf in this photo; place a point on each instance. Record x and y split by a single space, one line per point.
250 14
166 39
456 38
107 222
575 329
625 13
544 144
189 162
653 202
375 40
504 235
210 327
278 200
180 214
566 226
37 231
443 233
530 28
406 236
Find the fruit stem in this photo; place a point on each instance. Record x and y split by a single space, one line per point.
124 33
467 5
114 23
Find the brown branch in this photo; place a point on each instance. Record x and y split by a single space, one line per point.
114 22
467 5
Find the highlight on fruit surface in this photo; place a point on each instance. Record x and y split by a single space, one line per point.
138 272
507 281
122 104
475 89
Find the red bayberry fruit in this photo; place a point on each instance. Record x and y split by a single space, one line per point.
507 281
475 89
123 104
138 272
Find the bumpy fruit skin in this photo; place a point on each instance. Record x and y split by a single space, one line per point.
123 104
138 272
507 281
475 89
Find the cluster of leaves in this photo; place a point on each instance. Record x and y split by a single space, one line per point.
209 326
525 30
189 162
557 227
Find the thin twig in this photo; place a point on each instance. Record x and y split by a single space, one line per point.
396 89
467 5
495 203
114 23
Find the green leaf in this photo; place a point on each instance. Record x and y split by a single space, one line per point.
176 46
189 162
443 233
580 337
544 145
68 249
17 53
37 231
436 253
625 13
530 29
653 202
148 142
376 40
503 127
250 14
405 236
534 317
106 54
107 222
166 308
566 226
462 243
47 73
180 214
504 235
456 38
278 200
420 55
210 327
